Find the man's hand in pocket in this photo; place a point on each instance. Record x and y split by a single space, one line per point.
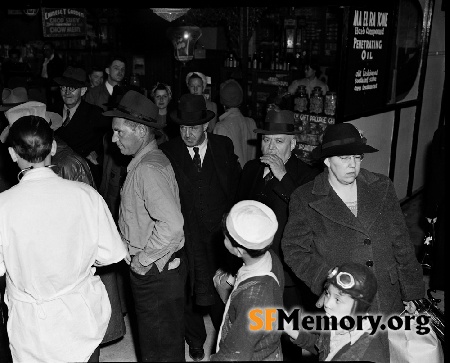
174 264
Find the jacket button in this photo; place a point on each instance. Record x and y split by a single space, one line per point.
367 241
369 263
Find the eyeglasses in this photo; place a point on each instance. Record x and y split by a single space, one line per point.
65 89
346 158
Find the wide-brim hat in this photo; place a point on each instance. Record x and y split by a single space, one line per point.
31 108
252 224
191 111
72 77
13 97
354 279
138 108
341 139
279 122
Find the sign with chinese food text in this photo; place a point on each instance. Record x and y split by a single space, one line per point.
368 60
67 22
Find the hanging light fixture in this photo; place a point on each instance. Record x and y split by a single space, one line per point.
30 12
183 40
170 14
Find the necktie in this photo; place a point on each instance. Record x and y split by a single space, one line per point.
197 160
268 176
66 121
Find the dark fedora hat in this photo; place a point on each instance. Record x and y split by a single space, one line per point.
13 97
72 77
138 108
342 139
278 122
191 111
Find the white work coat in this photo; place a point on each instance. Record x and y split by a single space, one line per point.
52 231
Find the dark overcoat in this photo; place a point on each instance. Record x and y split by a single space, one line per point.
322 233
84 132
98 96
228 171
276 193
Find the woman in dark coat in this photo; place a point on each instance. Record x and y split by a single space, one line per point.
349 214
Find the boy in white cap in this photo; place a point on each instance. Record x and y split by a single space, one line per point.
249 229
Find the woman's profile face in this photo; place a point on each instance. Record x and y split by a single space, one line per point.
341 170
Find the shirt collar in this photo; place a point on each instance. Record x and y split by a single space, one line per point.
152 145
229 112
72 110
109 87
201 147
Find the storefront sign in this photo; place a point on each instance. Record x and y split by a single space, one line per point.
368 60
58 22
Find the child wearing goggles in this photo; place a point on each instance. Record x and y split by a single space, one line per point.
348 292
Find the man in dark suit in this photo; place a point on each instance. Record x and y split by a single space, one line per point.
115 70
271 179
207 172
83 124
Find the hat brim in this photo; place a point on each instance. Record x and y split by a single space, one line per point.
70 82
275 132
209 116
53 118
11 105
339 150
116 113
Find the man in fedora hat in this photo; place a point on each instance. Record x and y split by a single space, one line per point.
207 172
349 214
83 125
151 225
271 179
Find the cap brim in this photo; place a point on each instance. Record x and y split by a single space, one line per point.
117 113
209 116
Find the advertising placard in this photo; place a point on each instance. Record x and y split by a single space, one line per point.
368 62
64 22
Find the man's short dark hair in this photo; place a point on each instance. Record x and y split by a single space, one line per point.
95 68
31 138
50 44
251 253
114 57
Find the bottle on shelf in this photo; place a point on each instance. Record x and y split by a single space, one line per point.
255 61
261 60
301 99
316 101
330 103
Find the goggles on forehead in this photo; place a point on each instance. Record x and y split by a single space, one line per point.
343 279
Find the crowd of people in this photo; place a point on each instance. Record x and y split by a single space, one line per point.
162 208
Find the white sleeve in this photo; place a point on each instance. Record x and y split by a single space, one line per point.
111 249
